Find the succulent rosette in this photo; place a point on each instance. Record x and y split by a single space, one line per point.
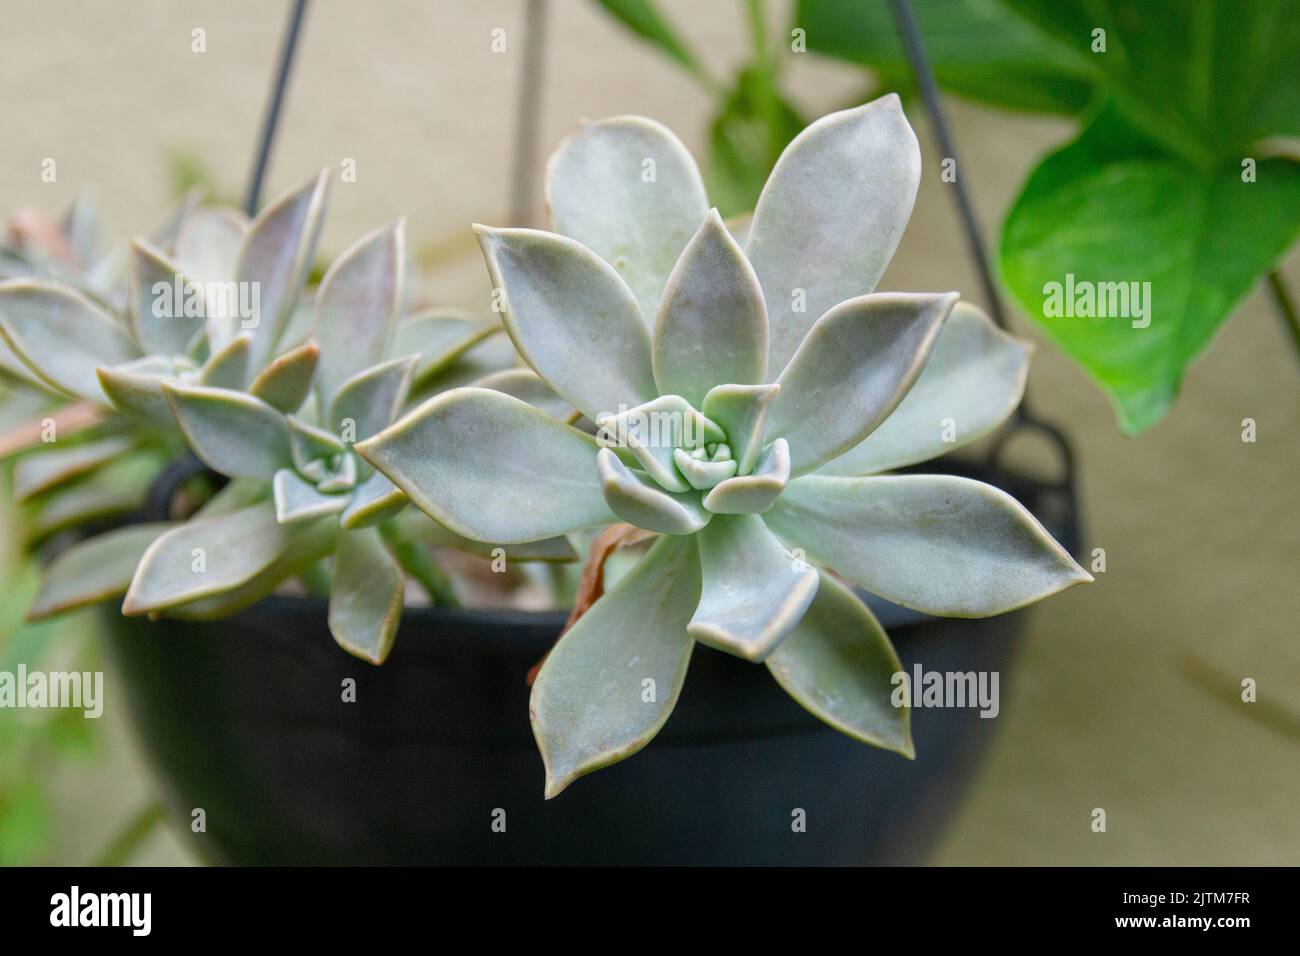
269 390
747 400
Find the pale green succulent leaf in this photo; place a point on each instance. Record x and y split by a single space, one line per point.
205 557
343 478
741 411
276 254
356 308
838 664
231 432
830 217
492 468
207 250
852 370
703 475
572 319
415 525
48 468
526 385
628 190
937 543
286 382
228 366
612 680
643 502
365 595
135 389
439 337
492 353
653 431
374 500
371 399
307 444
754 590
308 543
157 302
974 378
298 500
93 570
62 336
755 492
115 488
208 243
712 324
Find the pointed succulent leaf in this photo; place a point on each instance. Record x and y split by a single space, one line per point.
371 399
228 366
365 596
831 215
753 493
712 324
298 500
851 371
654 430
62 336
117 488
276 255
588 705
492 468
839 665
158 294
974 379
37 473
741 411
286 382
627 189
414 525
754 591
135 389
375 499
93 570
233 433
937 543
572 319
205 557
439 337
308 543
208 243
642 502
492 353
357 307
526 385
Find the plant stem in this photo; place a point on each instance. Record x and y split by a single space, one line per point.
1285 307
316 581
131 837
415 560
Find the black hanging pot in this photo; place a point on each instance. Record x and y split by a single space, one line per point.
435 762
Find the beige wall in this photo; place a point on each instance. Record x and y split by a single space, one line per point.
1200 529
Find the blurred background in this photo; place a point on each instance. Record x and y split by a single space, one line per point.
1126 695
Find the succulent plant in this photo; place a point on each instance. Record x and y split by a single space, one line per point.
183 350
747 400
298 492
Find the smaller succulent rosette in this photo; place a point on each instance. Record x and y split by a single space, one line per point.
745 398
